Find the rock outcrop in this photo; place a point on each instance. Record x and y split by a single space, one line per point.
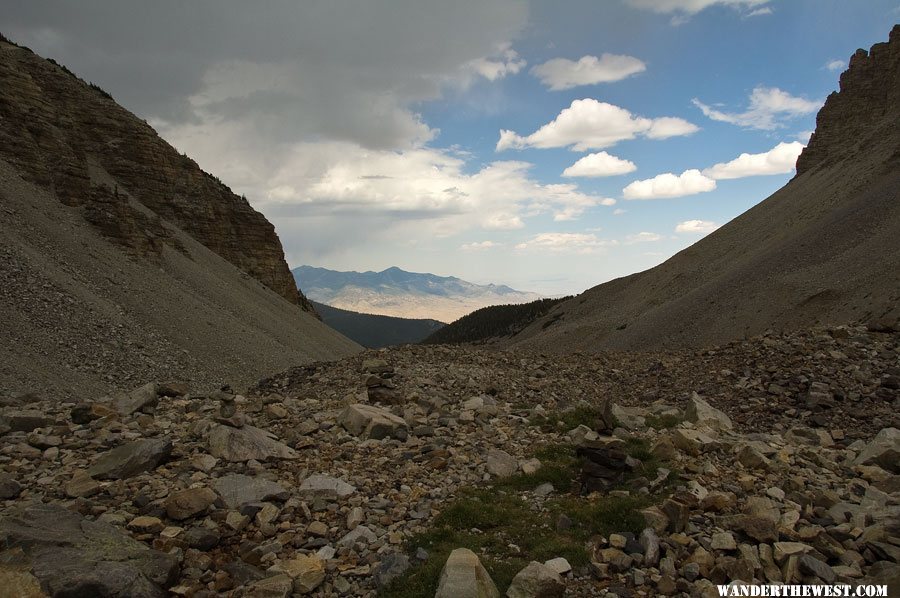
821 250
858 119
73 138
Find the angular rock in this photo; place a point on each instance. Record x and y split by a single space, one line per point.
307 571
131 459
702 413
9 487
883 450
188 503
72 556
368 421
237 490
277 586
500 463
26 420
463 576
82 485
536 580
327 487
692 442
136 400
246 443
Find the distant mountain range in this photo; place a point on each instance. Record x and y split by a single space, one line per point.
398 293
374 331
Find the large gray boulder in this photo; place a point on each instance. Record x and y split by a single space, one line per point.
246 443
536 580
131 459
368 421
464 576
72 556
702 413
884 451
238 489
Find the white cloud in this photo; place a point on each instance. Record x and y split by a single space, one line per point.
590 124
666 185
780 159
566 243
803 136
835 65
643 237
768 107
479 245
696 227
599 165
619 211
759 12
505 61
691 7
561 73
427 185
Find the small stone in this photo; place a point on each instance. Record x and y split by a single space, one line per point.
723 541
189 503
146 525
82 485
9 487
326 487
317 529
559 564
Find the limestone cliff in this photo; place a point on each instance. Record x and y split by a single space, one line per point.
862 117
72 138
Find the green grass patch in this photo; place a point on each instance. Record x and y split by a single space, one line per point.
568 419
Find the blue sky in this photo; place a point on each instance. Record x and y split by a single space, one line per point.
370 133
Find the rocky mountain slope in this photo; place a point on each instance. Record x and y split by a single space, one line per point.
373 331
823 249
435 471
120 260
395 292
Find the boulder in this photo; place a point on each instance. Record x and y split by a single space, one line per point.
246 443
9 487
368 421
883 450
702 413
131 459
463 576
26 420
391 567
72 556
500 463
238 489
307 571
136 400
536 581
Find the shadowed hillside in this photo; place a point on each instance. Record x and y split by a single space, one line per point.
374 331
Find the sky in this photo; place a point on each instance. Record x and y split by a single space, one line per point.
550 146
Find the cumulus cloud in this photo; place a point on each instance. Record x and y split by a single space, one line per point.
591 124
668 185
561 73
505 61
430 186
696 227
566 243
835 65
599 164
479 245
780 159
643 237
691 7
768 108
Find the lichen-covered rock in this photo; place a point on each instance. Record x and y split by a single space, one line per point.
131 459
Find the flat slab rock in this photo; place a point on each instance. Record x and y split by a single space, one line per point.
327 487
131 459
239 489
72 556
246 443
